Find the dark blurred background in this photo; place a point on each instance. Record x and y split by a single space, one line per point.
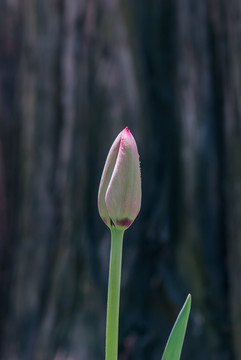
73 73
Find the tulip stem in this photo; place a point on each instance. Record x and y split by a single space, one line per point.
113 302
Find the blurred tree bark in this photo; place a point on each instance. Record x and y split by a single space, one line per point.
73 73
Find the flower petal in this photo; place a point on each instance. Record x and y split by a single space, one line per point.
123 195
105 179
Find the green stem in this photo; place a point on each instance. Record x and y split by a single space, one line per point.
112 321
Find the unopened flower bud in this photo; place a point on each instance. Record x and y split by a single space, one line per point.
119 197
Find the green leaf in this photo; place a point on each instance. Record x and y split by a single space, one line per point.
174 344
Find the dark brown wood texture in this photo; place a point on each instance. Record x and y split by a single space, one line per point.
73 73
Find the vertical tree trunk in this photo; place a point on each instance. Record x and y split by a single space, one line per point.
82 71
200 238
232 128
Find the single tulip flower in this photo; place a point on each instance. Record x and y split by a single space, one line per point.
119 197
119 201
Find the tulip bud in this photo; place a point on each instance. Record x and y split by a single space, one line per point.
119 197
